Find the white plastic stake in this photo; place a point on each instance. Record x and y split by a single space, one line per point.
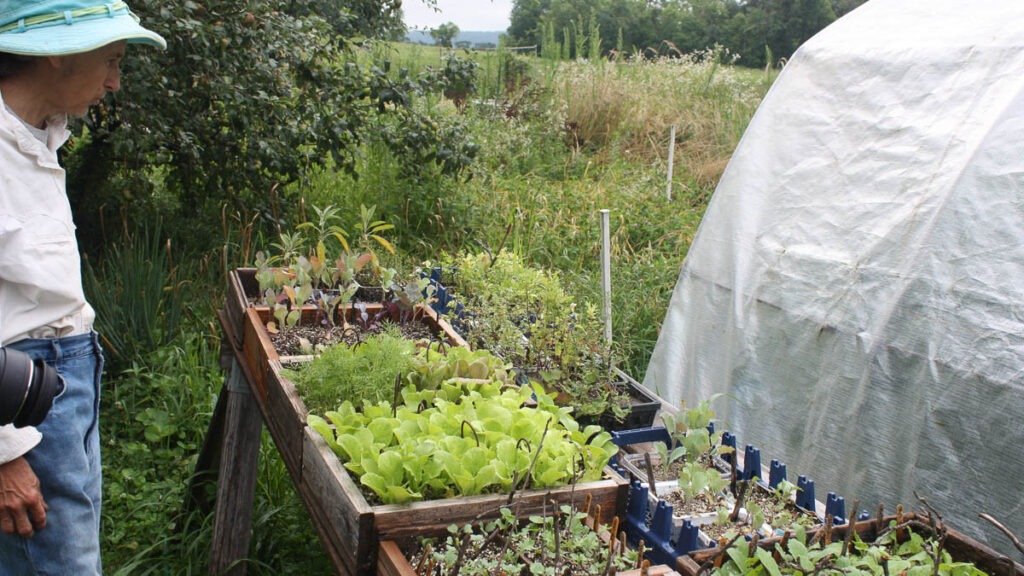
606 274
671 157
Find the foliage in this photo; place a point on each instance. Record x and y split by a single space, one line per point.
298 274
444 34
525 176
247 97
523 315
457 366
560 543
695 445
469 440
897 550
746 28
149 445
139 294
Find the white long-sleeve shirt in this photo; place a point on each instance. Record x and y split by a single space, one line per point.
41 292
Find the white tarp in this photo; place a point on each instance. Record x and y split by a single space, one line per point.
857 283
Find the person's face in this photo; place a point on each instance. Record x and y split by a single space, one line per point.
86 78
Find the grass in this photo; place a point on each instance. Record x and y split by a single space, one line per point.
567 140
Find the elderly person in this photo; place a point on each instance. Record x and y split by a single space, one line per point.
57 58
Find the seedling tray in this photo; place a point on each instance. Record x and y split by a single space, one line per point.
961 547
392 559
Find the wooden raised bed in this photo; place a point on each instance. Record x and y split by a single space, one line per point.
961 547
349 527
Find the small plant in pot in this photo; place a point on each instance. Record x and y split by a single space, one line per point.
311 293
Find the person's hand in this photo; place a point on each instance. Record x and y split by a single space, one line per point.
22 508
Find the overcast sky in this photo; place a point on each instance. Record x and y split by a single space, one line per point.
469 15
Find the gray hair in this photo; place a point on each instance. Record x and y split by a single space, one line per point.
12 64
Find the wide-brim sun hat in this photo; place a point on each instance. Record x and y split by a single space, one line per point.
59 27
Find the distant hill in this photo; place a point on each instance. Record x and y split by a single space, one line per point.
475 39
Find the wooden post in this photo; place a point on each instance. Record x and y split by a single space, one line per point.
236 486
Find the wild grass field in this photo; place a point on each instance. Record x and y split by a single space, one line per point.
559 141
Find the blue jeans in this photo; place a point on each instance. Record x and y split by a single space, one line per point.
67 462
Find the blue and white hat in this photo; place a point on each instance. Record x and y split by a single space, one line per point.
58 27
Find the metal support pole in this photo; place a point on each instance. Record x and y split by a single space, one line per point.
606 274
671 157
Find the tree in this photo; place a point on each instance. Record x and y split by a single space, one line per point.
525 26
444 34
750 28
246 98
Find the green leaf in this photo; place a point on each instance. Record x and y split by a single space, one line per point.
765 557
375 482
390 466
383 430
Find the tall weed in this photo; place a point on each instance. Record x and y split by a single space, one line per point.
139 293
631 105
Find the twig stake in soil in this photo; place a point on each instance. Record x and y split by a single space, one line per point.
935 520
783 545
825 534
536 455
428 550
398 392
899 523
741 494
649 468
555 514
608 569
715 561
462 553
732 474
850 530
462 430
1013 537
508 230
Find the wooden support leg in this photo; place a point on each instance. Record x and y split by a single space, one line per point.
232 525
199 496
